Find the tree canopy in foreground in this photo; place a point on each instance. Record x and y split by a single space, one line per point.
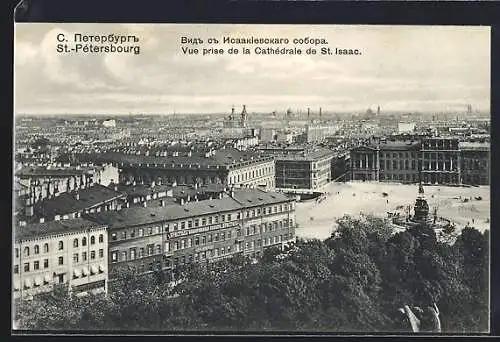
354 281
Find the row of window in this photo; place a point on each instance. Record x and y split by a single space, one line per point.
60 246
250 175
135 253
199 222
267 227
76 256
36 265
138 253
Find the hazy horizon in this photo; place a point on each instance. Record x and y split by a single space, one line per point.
402 69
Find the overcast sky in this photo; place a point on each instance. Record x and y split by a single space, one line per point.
401 68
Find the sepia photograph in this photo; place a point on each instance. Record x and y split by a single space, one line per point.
251 179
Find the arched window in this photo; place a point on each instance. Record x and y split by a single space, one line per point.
75 243
37 249
92 240
61 245
46 248
26 251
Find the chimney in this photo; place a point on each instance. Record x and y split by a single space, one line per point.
144 204
42 219
182 201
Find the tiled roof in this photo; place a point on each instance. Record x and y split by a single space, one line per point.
53 227
66 203
133 216
221 157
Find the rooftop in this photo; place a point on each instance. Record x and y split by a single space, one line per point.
221 157
53 227
134 216
55 172
67 203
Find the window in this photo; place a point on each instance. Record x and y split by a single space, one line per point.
84 256
27 267
16 269
228 235
61 261
26 251
132 254
190 224
92 255
141 252
61 245
204 240
37 249
101 237
92 239
114 256
158 249
46 263
229 217
196 222
101 253
229 249
124 256
36 265
183 243
183 225
84 240
157 230
75 258
75 243
197 241
150 230
223 236
150 250
203 221
141 232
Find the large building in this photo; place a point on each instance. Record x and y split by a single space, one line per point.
72 204
43 182
72 252
226 166
300 168
440 161
475 163
246 222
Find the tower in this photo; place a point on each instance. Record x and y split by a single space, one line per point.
244 116
378 111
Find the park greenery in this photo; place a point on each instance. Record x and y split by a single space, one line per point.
354 281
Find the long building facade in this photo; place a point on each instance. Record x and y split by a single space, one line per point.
246 222
440 161
224 166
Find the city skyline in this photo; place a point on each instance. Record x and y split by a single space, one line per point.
409 69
